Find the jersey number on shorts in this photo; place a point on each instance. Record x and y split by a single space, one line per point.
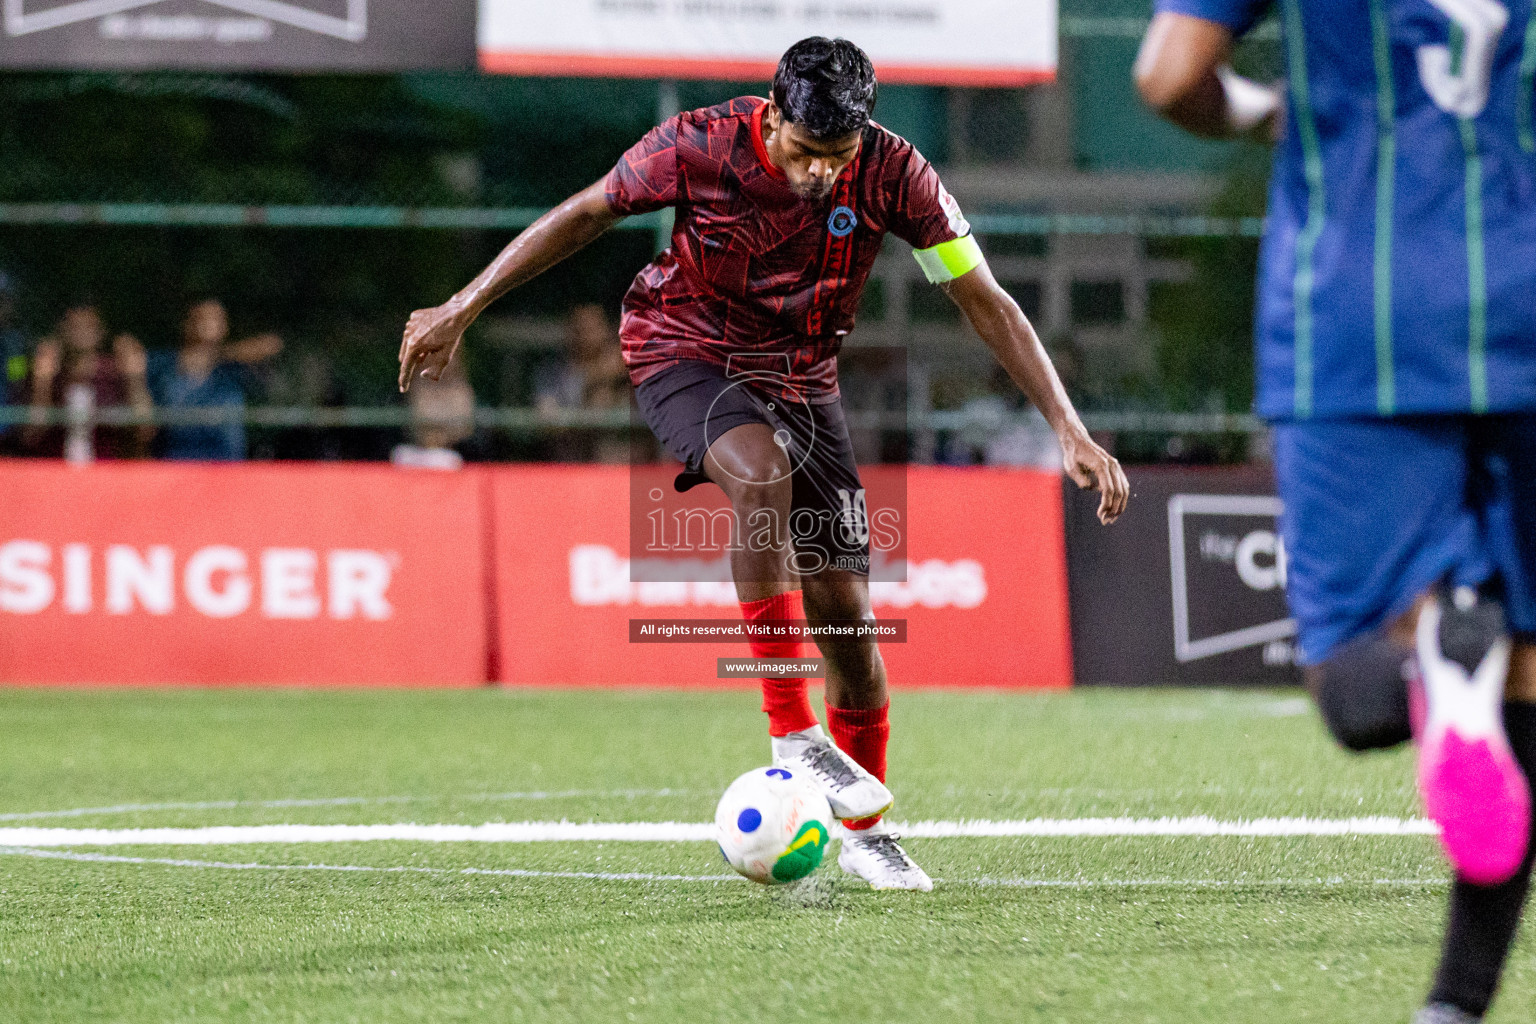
1463 91
855 516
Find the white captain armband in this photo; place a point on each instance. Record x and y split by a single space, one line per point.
949 260
1249 104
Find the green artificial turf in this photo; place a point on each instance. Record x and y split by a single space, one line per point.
1040 929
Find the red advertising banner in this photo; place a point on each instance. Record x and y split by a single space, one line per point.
368 575
984 599
255 574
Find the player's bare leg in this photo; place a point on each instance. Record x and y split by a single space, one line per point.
754 472
857 712
855 669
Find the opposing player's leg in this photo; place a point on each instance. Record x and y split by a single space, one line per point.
1439 671
1469 777
1383 520
1380 513
1484 918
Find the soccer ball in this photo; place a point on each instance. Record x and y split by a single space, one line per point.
772 825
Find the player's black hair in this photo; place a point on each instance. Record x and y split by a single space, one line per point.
80 300
826 86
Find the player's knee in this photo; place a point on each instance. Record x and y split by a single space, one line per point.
1362 693
832 604
762 483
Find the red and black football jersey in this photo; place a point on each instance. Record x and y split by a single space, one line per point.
756 277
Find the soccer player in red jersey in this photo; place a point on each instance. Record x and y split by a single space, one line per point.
731 338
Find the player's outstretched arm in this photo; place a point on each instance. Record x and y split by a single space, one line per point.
1012 339
1182 72
432 335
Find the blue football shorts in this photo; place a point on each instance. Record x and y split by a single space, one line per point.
1379 510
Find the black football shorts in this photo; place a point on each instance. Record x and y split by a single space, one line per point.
692 404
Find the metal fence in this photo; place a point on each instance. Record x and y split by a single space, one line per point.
234 215
540 420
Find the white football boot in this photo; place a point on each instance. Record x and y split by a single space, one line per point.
852 792
875 856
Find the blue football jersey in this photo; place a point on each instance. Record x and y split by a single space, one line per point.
1398 268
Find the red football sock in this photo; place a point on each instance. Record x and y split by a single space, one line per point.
862 735
786 700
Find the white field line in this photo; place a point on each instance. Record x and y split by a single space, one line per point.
680 831
1199 825
642 876
242 835
605 876
1191 883
335 801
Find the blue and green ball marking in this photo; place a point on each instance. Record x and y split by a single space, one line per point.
801 857
804 853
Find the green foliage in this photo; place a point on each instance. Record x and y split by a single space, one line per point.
414 140
1205 326
189 138
544 138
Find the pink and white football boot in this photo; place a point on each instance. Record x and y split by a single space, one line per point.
1472 785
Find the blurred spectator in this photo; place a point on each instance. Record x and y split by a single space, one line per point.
208 372
13 352
1004 429
442 415
1028 443
70 371
591 376
308 381
1067 356
873 380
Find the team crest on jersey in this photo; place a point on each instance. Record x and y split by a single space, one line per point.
842 222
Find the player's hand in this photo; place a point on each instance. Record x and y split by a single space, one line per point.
432 336
1092 468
